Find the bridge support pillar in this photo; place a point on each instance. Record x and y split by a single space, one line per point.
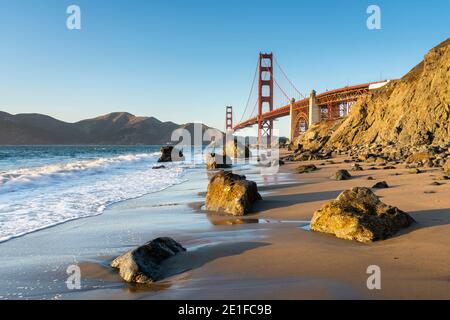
314 110
293 115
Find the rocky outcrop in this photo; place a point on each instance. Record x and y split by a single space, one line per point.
234 149
407 120
217 161
231 193
169 154
412 111
341 175
358 214
317 136
143 264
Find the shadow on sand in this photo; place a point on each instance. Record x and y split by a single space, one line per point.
284 201
194 259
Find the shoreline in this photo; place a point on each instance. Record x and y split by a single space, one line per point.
269 254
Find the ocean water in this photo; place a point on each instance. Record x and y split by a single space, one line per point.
42 186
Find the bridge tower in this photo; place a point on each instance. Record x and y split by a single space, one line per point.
229 119
265 97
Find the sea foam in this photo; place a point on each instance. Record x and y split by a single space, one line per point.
38 197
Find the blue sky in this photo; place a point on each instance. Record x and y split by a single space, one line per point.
186 60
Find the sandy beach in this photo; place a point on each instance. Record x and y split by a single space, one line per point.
269 254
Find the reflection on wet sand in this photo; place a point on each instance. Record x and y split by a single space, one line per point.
226 221
218 220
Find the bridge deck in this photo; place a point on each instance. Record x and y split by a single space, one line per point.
332 96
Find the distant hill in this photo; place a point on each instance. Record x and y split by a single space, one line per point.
119 128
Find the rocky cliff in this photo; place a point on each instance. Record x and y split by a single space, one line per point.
411 111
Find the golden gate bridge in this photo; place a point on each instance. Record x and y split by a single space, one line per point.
303 111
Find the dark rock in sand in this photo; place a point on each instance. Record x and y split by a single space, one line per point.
143 264
341 175
358 214
169 154
231 193
389 168
370 178
380 185
435 183
415 171
306 168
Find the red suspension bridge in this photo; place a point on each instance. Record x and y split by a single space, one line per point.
303 111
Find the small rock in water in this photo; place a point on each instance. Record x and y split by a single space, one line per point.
159 167
380 185
143 264
341 175
169 154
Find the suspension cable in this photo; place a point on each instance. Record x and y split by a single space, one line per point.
285 75
287 97
251 92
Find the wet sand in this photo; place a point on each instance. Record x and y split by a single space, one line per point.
291 263
265 255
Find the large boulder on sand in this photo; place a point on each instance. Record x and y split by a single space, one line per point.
234 149
358 214
217 161
169 154
231 193
142 265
